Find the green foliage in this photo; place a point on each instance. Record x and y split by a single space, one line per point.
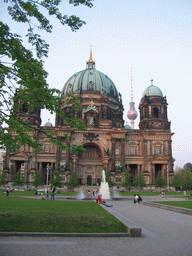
140 181
182 179
160 181
188 167
37 180
73 181
176 181
3 178
23 68
108 179
56 179
19 179
126 183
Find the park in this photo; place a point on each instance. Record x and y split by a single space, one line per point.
95 163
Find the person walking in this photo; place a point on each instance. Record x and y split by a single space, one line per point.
47 193
7 190
53 193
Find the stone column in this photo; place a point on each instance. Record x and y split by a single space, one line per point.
67 155
123 154
113 155
153 174
74 159
40 167
145 156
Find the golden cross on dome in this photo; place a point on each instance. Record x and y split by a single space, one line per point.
91 46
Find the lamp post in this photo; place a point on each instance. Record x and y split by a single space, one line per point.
48 173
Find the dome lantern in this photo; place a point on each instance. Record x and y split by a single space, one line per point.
90 62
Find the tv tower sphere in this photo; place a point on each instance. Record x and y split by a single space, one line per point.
132 113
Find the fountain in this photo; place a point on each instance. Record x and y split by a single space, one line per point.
81 195
116 195
104 188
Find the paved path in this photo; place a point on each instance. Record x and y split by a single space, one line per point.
163 233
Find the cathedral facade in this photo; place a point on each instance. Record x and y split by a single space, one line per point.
109 144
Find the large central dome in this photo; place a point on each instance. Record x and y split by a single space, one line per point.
90 80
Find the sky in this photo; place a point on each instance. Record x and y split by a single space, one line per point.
153 37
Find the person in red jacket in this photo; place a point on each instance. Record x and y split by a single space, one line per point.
100 201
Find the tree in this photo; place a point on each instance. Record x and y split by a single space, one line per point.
187 180
3 178
126 183
176 181
108 179
19 179
140 181
188 167
182 179
73 181
37 180
160 181
56 179
22 70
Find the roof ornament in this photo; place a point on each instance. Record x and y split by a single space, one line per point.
90 62
151 81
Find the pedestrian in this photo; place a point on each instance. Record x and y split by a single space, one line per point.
53 193
47 193
139 199
7 190
93 192
100 201
136 198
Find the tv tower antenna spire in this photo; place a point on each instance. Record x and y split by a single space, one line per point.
132 113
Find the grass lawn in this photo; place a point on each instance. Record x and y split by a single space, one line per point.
31 215
153 193
32 193
182 204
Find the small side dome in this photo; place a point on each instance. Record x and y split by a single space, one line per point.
127 127
48 124
152 90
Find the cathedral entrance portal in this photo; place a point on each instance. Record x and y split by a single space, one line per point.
158 167
89 180
89 165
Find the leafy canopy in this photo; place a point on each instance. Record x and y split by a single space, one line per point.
160 181
73 181
140 181
37 179
182 179
19 179
56 179
127 182
23 68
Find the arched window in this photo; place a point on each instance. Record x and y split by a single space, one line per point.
156 112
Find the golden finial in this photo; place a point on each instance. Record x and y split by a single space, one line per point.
151 81
90 57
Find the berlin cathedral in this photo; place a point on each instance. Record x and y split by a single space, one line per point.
110 144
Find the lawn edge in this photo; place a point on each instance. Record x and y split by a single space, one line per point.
169 208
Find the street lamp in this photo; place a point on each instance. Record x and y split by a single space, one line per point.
48 173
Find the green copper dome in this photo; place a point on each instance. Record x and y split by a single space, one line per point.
152 90
48 124
90 80
127 127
